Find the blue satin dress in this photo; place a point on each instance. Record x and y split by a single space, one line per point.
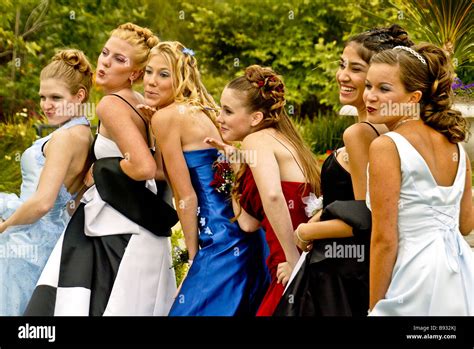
228 276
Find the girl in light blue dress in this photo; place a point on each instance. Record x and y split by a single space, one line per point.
420 188
52 174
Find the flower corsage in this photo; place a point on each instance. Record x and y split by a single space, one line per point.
223 177
313 204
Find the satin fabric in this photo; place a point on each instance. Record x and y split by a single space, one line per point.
434 270
228 276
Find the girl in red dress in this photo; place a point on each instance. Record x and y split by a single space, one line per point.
278 170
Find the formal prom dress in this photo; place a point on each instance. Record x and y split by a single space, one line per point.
330 283
252 204
26 248
228 276
434 270
105 263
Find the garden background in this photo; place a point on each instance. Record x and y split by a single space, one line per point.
302 40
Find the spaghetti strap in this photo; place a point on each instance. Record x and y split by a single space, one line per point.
136 111
373 127
294 158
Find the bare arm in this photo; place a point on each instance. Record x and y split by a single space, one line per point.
160 173
466 218
167 131
138 162
357 139
59 155
267 178
384 187
333 228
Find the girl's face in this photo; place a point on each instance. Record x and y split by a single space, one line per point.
351 77
385 97
56 102
158 83
115 66
234 119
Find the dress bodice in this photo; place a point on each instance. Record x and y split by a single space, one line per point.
427 212
105 147
336 183
211 203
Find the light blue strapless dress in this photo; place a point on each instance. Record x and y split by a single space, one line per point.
228 276
24 249
434 270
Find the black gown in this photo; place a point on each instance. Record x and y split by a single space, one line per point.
334 284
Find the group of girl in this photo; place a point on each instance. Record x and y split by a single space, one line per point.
247 212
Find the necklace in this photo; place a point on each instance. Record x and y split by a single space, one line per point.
401 122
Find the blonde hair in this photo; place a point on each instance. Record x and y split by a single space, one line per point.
264 91
73 68
434 79
142 40
187 84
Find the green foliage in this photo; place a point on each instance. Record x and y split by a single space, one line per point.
448 24
300 40
179 254
15 138
324 132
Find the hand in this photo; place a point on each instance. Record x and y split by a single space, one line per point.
303 246
227 149
89 177
146 110
3 226
316 217
284 271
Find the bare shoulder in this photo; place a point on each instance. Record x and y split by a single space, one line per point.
256 139
165 116
72 138
382 145
359 133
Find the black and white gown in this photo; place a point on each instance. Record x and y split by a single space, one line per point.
105 263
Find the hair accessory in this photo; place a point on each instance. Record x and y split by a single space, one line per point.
413 52
188 51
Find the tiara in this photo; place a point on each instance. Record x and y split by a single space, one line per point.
413 52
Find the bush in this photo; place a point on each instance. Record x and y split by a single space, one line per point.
179 254
323 133
14 139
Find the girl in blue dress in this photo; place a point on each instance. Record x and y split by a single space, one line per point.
227 274
52 172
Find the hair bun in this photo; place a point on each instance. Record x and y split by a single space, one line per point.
149 38
75 59
267 81
399 35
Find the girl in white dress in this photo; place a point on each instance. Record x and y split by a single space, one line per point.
420 187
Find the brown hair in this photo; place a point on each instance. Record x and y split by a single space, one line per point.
72 67
264 91
434 80
187 84
379 39
142 40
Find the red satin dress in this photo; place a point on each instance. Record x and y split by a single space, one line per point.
252 204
